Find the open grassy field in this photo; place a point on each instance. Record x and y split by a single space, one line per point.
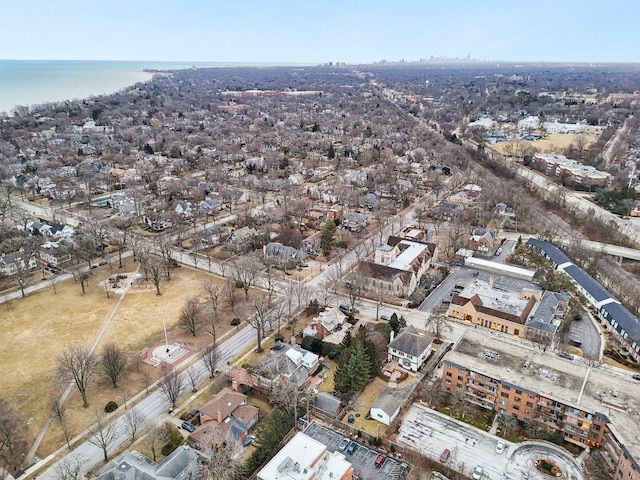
40 326
552 143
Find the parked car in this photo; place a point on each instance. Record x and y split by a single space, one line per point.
566 355
635 376
347 309
352 448
477 473
380 459
188 426
444 456
500 447
248 440
498 252
458 264
385 317
343 444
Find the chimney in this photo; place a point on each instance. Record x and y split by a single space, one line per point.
234 385
219 416
391 335
491 282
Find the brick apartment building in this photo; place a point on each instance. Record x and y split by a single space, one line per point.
574 400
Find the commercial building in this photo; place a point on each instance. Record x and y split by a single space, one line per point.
528 313
304 458
572 399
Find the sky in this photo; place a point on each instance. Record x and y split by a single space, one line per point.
299 31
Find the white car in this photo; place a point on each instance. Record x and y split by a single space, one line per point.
477 473
500 447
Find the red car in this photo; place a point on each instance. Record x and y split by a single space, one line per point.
444 456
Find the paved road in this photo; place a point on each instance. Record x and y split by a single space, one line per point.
151 407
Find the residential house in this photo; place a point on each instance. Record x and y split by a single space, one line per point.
52 254
482 241
185 208
12 263
290 364
311 244
503 210
226 416
181 464
243 236
385 408
282 253
410 349
157 221
472 191
305 458
355 221
215 235
329 326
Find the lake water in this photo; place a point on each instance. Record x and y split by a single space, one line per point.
30 82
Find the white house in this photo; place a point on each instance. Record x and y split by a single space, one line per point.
410 349
385 409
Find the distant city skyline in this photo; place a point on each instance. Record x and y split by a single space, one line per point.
351 31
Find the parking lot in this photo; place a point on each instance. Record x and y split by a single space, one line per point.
429 433
465 275
363 457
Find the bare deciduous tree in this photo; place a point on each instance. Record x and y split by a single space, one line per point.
193 375
13 444
190 317
156 438
70 468
220 462
153 267
211 358
171 385
58 408
259 318
103 434
231 296
213 294
114 362
77 363
245 272
133 421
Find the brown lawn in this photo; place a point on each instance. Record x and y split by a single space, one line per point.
552 143
39 327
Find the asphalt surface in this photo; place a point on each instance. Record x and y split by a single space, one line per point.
429 433
363 457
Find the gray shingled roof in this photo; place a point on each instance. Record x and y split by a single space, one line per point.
411 342
387 403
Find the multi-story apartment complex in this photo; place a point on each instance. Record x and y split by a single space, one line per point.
616 318
570 398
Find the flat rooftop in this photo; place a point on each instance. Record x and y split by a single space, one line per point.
294 461
496 297
545 373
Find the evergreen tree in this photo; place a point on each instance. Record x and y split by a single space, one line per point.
326 240
358 368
